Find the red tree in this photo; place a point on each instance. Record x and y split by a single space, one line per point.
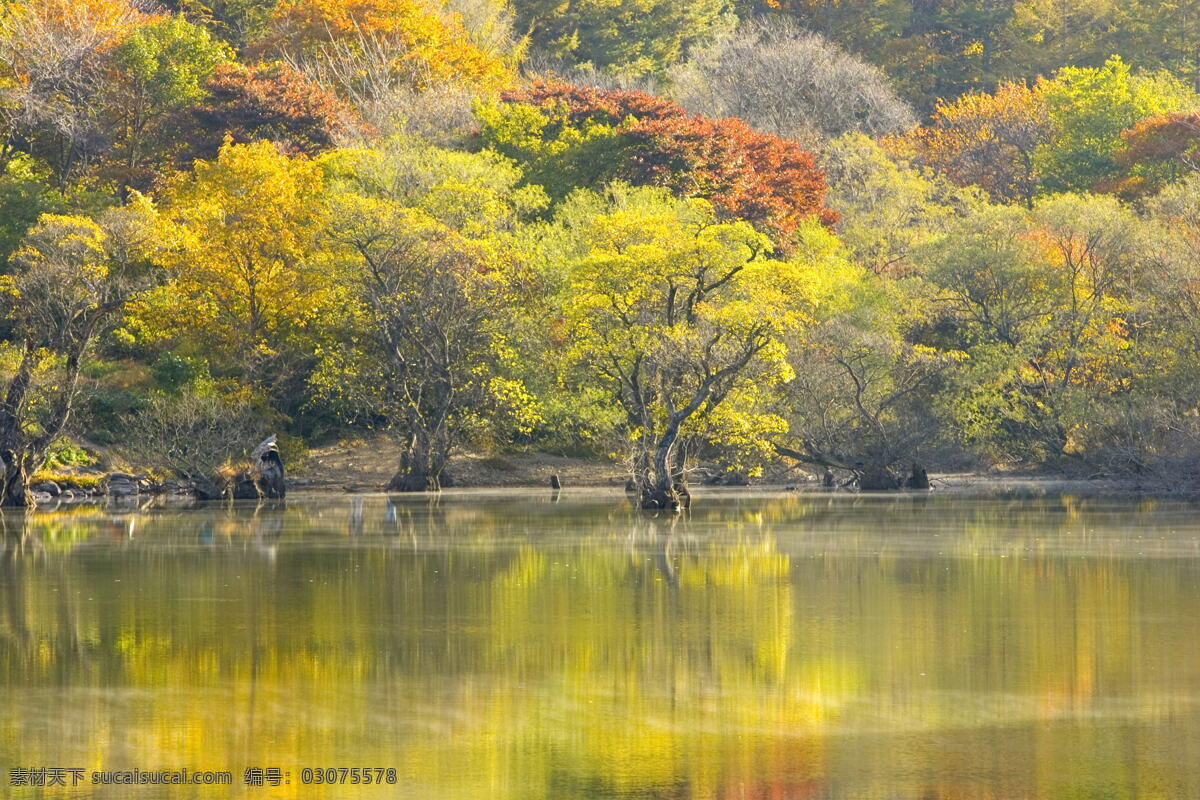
766 179
269 101
1156 151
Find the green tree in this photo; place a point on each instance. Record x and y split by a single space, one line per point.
237 22
887 208
630 37
862 398
1089 108
166 65
425 345
1046 307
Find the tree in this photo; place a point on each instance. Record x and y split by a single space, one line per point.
572 136
434 310
674 314
1157 35
426 344
422 46
634 38
273 102
237 22
862 399
1164 438
246 277
73 275
887 208
25 195
166 65
55 61
988 140
1176 218
1046 307
1156 151
785 81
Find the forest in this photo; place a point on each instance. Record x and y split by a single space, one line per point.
689 236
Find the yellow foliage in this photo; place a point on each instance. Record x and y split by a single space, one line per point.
431 49
244 265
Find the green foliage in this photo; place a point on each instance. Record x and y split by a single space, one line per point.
1089 108
571 136
558 154
24 196
237 22
170 60
627 37
65 453
172 373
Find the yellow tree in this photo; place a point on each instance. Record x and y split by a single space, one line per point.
70 276
420 44
675 314
246 275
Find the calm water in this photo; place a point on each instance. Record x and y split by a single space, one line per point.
504 646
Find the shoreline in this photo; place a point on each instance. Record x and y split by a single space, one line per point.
960 485
365 466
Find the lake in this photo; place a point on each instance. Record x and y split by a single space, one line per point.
517 645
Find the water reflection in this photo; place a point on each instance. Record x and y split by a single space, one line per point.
522 645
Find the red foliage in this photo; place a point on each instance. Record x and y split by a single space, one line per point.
759 177
1156 151
1165 138
585 104
270 101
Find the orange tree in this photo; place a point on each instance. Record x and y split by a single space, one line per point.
1156 151
270 101
988 140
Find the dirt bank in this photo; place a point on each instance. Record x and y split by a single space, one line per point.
367 465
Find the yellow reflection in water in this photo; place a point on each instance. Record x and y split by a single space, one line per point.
504 647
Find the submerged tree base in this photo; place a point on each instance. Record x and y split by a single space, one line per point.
414 482
676 498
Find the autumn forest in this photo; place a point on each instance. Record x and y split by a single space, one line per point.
868 238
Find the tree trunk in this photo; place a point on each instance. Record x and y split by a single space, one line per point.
420 466
15 491
414 481
662 488
877 478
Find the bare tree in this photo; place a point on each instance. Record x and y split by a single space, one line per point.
193 433
54 55
550 69
490 24
365 71
784 80
861 402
